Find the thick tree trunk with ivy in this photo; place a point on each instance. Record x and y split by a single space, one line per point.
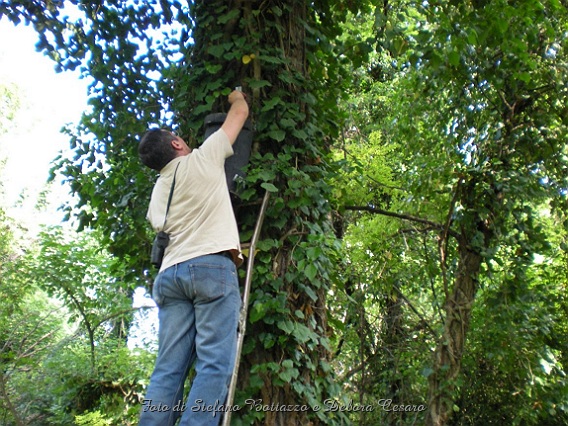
264 47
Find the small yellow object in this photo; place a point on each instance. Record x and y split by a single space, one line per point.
247 58
246 251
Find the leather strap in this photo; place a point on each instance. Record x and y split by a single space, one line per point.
170 197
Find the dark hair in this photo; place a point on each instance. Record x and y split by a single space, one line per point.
155 149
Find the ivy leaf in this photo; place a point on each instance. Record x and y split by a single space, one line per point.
216 51
311 293
271 103
269 187
257 312
278 135
311 271
232 14
289 374
257 84
286 326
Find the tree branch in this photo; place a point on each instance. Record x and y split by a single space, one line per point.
402 216
416 312
7 402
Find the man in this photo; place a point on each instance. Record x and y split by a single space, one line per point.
196 289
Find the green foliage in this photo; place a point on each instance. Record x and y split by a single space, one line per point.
9 105
63 389
127 59
475 102
92 419
50 374
517 365
28 332
86 279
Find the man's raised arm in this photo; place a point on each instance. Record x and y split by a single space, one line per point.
237 115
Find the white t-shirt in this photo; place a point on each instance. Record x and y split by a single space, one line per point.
201 219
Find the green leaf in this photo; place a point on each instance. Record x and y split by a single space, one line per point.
286 326
216 50
269 187
271 103
232 14
311 271
454 58
311 293
289 374
213 68
277 135
257 312
258 84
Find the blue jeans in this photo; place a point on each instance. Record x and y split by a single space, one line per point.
199 304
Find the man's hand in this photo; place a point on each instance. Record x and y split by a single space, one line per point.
236 95
237 115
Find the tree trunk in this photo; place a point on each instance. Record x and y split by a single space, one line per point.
475 236
448 353
394 334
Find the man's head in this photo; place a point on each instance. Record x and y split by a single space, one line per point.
158 147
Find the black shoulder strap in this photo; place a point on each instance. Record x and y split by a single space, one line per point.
170 197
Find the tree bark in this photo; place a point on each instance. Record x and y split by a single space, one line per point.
449 351
474 237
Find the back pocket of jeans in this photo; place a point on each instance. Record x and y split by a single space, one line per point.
209 281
